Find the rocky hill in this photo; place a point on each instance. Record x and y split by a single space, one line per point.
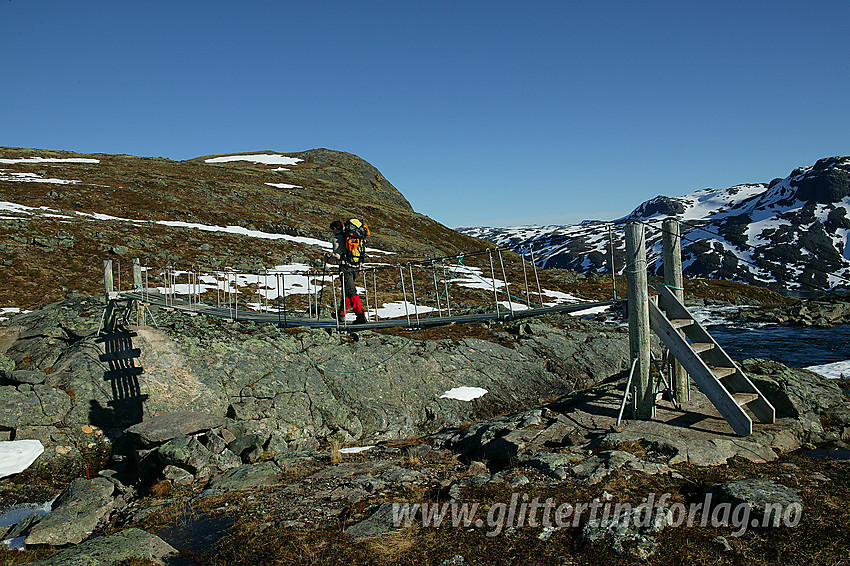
791 233
61 213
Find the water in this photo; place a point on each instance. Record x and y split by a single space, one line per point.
795 347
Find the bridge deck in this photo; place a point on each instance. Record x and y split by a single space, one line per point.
287 320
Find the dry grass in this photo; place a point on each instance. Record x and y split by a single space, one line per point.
819 538
161 489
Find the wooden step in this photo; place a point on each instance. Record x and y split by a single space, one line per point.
744 398
699 347
681 322
720 373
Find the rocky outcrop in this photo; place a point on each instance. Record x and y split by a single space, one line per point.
822 312
286 388
75 513
556 438
763 497
116 548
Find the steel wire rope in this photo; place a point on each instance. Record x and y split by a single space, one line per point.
373 366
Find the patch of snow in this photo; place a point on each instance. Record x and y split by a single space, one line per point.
355 449
32 178
832 371
464 393
284 186
397 309
23 209
50 160
264 158
591 310
10 310
512 305
18 455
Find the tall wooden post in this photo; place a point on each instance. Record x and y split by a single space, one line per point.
109 313
108 285
672 244
137 286
639 319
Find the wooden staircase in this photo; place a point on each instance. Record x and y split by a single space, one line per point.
711 368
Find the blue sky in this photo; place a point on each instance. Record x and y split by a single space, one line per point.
481 113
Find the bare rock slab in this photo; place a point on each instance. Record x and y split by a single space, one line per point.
378 523
103 551
75 514
761 495
167 426
248 476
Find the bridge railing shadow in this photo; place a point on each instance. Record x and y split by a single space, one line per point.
126 407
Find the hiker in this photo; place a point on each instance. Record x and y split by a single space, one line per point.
347 249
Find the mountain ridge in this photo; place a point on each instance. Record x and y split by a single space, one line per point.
62 212
791 233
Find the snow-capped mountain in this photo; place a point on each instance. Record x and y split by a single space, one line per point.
789 234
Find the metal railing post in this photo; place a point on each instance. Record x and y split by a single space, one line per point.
507 288
493 276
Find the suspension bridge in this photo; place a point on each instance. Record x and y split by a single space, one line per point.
411 295
453 291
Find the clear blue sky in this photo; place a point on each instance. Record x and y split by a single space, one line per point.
481 113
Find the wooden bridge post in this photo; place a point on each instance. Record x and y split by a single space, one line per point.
673 278
638 306
137 287
108 284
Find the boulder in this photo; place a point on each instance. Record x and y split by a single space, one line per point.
761 495
186 452
167 426
127 545
248 476
632 532
75 513
379 522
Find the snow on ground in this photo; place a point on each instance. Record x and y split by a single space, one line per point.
32 178
464 393
511 305
9 310
18 455
284 186
45 211
265 158
50 160
591 310
355 449
834 370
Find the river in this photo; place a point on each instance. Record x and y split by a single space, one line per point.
824 350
